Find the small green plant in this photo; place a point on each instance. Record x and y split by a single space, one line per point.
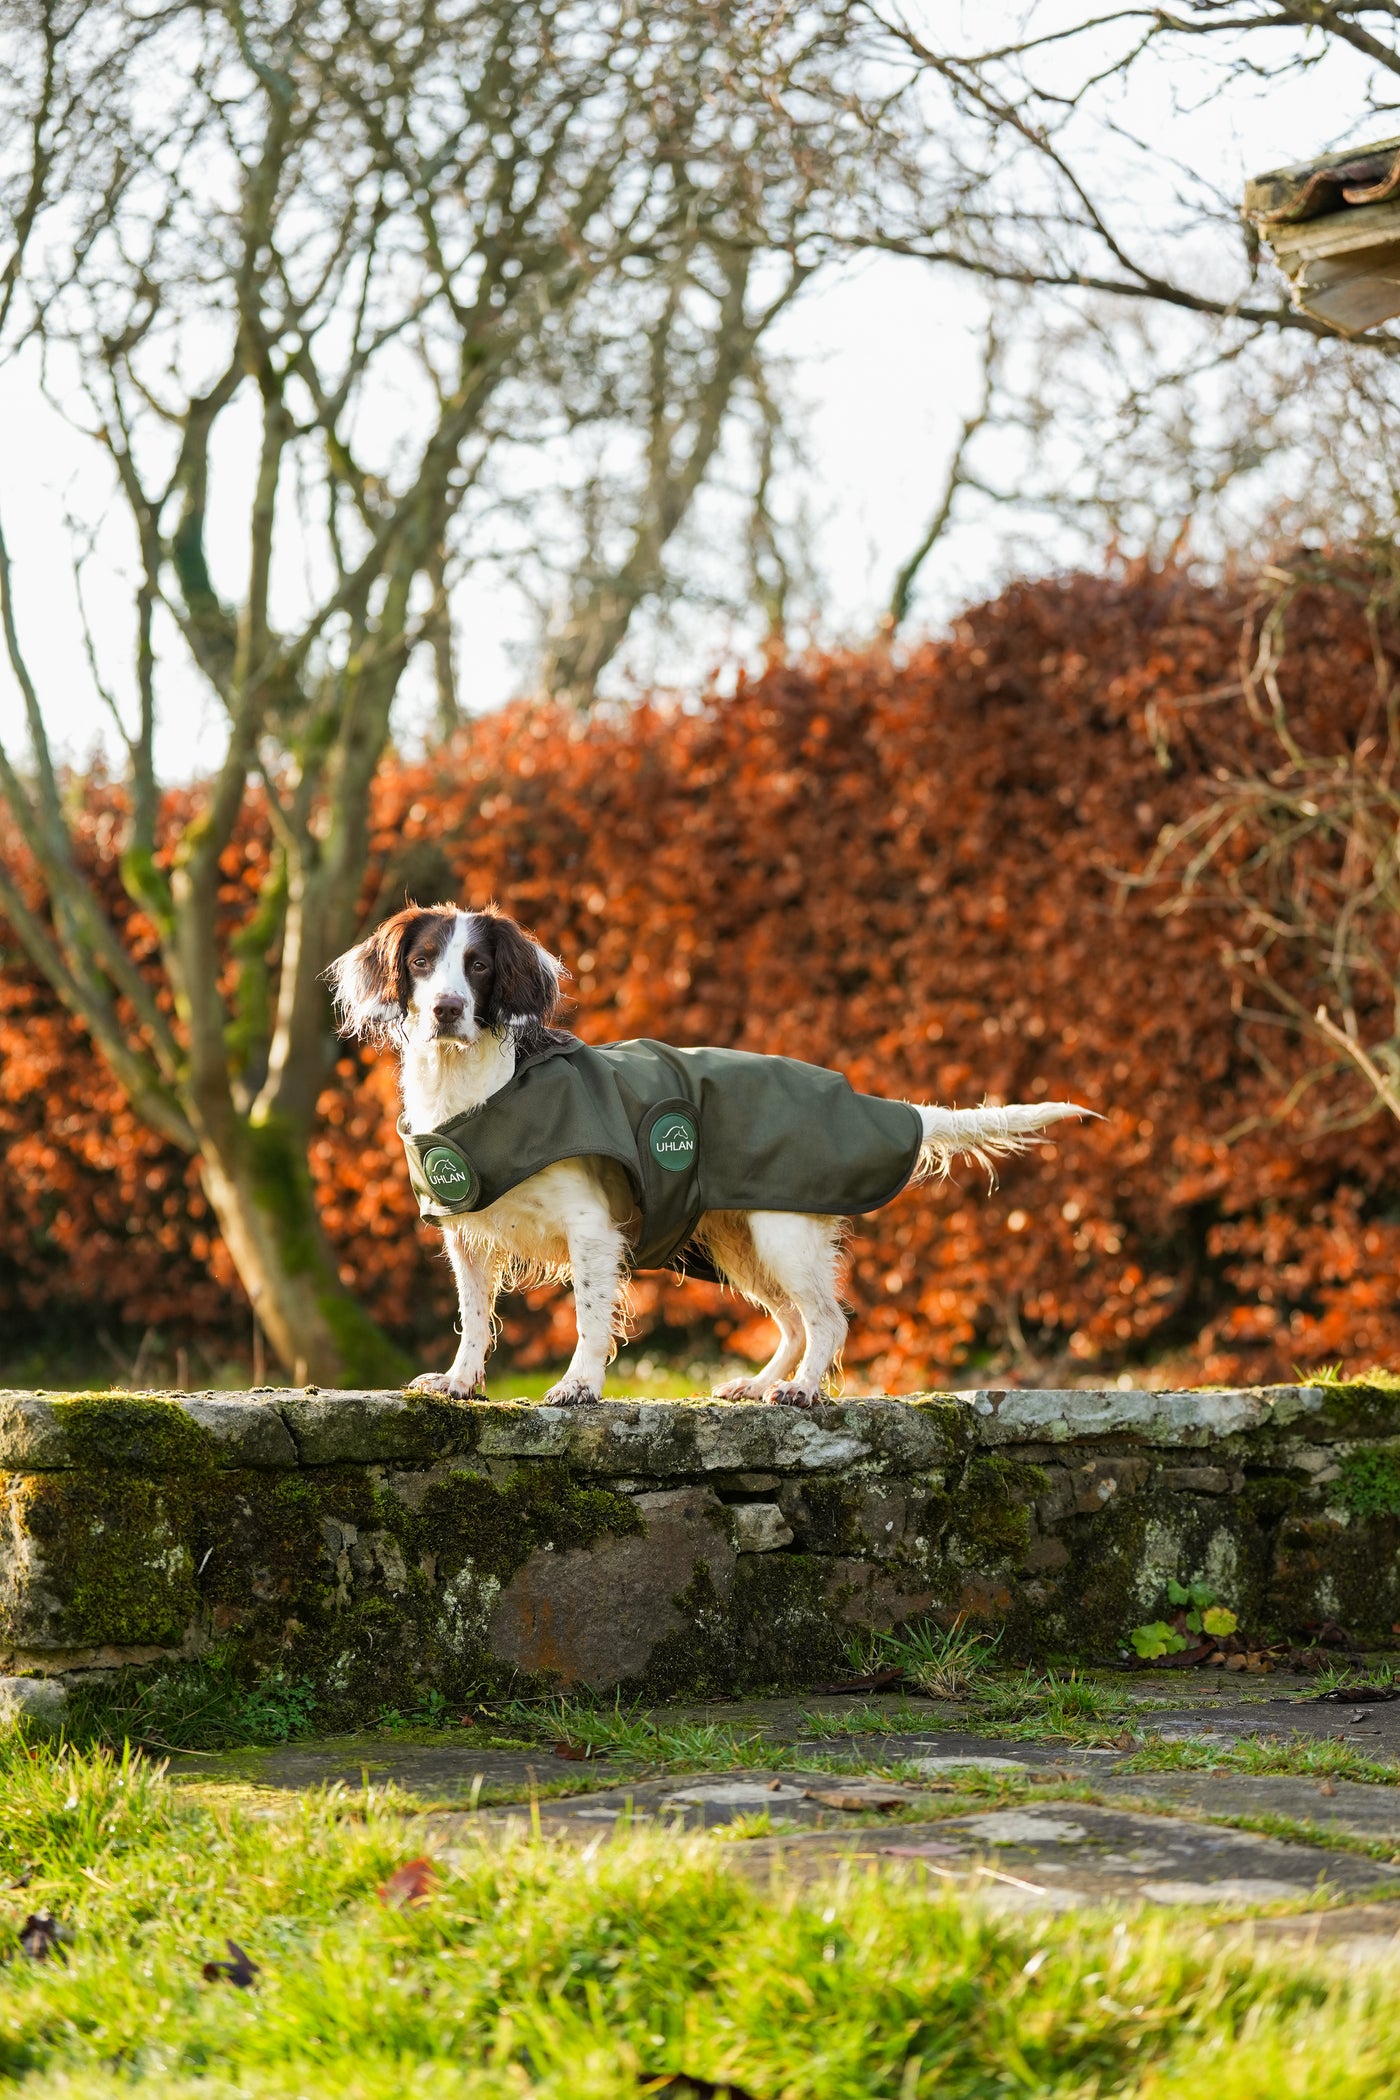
1198 1612
1156 1638
759 1824
432 1711
196 1706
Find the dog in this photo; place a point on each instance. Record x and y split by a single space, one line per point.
468 998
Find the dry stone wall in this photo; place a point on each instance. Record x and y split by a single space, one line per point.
378 1544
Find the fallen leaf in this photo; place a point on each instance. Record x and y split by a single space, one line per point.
1125 1740
1186 1660
240 1970
1359 1695
1326 1787
41 1935
575 1752
411 1883
854 1799
878 1681
774 1785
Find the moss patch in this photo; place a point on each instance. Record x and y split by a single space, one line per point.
990 1520
466 1517
777 1631
132 1432
1370 1483
116 1560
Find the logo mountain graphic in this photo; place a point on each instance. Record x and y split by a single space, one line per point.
447 1172
674 1139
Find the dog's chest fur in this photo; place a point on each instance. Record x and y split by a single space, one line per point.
530 1227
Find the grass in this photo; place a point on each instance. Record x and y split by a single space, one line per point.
637 1739
195 1706
535 1969
1376 1378
1292 1757
891 1717
944 1662
1351 1677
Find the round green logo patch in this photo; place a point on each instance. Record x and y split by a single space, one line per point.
674 1139
448 1174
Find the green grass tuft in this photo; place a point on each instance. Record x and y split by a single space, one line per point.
1375 1379
945 1662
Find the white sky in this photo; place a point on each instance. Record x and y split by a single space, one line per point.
886 355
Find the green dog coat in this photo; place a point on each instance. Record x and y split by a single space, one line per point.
694 1131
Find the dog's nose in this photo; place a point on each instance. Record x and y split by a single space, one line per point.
447 1009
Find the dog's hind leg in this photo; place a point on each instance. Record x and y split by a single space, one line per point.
477 1270
803 1257
727 1240
785 1358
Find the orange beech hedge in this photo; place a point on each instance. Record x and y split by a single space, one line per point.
907 869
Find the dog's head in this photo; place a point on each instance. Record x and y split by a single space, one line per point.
443 976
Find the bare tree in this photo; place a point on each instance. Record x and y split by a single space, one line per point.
702 345
341 241
1296 849
959 476
673 386
1159 386
1034 176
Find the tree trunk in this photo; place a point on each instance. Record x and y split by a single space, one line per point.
260 1189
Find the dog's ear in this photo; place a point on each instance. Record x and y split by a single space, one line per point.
525 981
370 981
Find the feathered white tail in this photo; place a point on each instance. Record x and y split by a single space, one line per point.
986 1134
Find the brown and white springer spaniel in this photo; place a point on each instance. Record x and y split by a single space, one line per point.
459 993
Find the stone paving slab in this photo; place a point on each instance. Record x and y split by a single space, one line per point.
1060 1855
437 1771
1146 1838
708 1801
448 1766
945 1752
1359 1936
1350 1810
1374 1729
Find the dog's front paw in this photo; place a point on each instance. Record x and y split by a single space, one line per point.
795 1396
738 1389
571 1392
447 1387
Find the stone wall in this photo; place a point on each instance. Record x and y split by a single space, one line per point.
382 1543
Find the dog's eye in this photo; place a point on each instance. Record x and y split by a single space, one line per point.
478 967
420 963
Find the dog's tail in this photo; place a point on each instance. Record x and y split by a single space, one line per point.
986 1134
